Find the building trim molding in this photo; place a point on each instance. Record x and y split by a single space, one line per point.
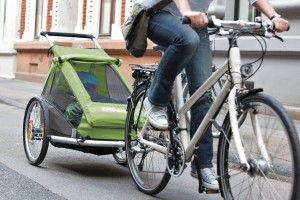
287 7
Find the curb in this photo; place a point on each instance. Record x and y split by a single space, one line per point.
12 102
293 111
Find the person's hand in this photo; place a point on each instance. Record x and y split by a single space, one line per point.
198 19
280 24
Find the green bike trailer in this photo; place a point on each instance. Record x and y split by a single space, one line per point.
82 105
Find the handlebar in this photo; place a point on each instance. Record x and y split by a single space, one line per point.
264 27
61 34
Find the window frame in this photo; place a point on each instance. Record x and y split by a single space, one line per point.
103 17
39 18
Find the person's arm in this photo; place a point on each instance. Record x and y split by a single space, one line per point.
267 9
198 19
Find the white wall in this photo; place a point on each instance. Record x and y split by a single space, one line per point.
9 33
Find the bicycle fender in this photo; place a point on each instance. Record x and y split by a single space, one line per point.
251 92
242 96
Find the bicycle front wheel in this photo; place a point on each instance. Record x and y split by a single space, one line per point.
275 174
147 167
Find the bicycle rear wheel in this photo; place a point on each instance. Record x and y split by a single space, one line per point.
277 178
147 167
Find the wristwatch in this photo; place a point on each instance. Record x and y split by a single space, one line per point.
275 16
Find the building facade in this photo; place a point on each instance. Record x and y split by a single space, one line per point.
103 18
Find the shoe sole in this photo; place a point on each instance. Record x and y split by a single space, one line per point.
210 186
154 124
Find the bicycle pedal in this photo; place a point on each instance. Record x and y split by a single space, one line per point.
185 165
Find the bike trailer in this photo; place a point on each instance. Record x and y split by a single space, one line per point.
82 105
88 91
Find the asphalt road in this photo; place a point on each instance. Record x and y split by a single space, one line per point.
16 186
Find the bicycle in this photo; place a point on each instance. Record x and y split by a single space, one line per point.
258 153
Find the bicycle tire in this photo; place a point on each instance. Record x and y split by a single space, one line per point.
147 167
35 129
279 180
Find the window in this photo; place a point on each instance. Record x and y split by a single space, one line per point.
107 13
38 18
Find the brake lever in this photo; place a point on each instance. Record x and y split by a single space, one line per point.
279 38
213 32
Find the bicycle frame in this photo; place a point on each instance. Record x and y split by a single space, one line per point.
190 146
184 107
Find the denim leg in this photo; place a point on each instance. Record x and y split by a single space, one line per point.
198 70
181 42
186 48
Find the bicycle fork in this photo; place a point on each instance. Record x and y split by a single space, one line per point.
235 63
235 129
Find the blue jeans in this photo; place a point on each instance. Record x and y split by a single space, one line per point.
187 48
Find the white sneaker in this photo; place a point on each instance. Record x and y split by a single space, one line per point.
209 178
157 115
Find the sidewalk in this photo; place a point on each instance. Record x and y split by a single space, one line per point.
17 93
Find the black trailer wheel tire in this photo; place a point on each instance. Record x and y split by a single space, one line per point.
35 129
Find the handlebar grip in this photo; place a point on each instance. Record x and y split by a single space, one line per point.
61 34
186 20
210 22
288 28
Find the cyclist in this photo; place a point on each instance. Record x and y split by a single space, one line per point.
188 46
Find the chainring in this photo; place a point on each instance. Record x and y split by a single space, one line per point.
175 163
